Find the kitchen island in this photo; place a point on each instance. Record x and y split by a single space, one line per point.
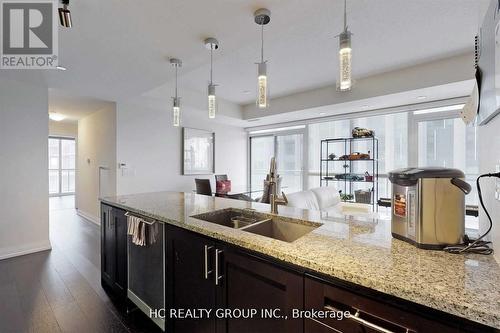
356 254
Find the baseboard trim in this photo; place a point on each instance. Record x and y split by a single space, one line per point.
16 252
88 217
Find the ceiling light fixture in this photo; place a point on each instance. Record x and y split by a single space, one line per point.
56 116
279 129
176 107
65 15
345 56
61 68
440 109
211 44
422 97
262 17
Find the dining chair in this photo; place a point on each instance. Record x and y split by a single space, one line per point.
203 186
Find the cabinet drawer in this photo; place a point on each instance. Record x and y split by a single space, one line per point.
250 283
372 315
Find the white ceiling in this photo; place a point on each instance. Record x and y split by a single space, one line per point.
120 48
74 107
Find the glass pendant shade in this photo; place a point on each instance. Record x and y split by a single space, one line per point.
176 112
262 86
212 101
345 61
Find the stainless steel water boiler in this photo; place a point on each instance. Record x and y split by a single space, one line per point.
428 206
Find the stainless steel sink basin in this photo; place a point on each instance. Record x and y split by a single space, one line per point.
282 229
272 226
232 217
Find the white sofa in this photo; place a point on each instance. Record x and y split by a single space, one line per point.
327 199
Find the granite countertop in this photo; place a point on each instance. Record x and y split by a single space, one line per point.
358 251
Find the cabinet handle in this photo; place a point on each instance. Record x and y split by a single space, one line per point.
325 325
207 272
362 321
217 277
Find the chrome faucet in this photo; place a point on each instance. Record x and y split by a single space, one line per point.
274 198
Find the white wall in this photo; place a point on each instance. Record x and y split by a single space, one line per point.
57 128
151 148
96 147
24 206
489 158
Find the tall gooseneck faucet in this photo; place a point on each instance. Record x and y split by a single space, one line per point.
274 198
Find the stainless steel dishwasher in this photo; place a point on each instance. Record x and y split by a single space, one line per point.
146 272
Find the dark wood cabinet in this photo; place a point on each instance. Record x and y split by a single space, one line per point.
251 283
190 279
114 250
368 315
206 274
120 224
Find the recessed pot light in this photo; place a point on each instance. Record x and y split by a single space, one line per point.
56 116
422 97
61 68
322 113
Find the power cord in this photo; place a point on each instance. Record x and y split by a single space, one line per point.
478 246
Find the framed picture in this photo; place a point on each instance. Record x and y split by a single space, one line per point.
198 151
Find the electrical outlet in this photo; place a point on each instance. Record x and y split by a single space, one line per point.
497 184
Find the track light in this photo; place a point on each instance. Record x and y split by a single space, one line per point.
65 14
176 107
262 17
211 44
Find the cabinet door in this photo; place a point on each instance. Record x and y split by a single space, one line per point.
190 278
247 282
108 246
120 222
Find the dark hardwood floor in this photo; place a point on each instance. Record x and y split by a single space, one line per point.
60 290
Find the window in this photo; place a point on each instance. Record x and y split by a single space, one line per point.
62 165
288 150
392 132
261 150
430 137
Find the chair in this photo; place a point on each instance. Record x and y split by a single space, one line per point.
221 177
203 186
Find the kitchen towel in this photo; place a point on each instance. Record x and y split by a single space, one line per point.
142 233
137 229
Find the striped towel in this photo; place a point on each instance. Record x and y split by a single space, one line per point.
137 229
142 234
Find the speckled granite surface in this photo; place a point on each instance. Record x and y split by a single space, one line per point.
361 252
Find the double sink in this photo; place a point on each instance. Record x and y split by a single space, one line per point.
272 226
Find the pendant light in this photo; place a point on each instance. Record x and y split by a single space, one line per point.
262 17
345 56
176 107
211 44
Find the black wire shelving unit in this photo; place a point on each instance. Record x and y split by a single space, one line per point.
344 181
